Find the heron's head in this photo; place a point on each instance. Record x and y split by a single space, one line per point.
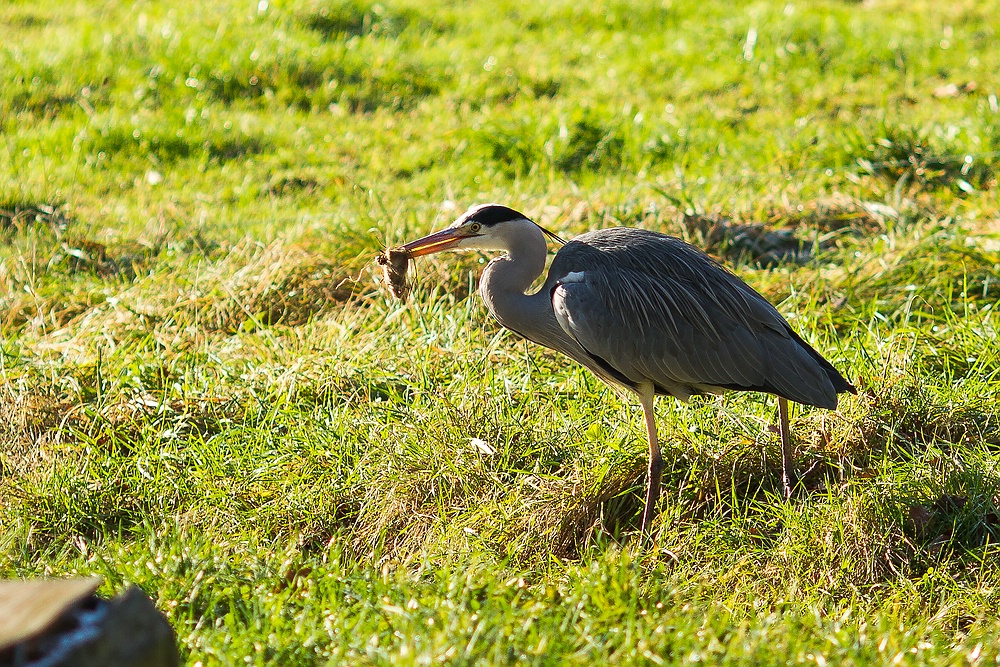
482 227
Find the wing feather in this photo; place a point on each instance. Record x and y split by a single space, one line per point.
656 309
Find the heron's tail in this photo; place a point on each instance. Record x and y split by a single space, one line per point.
840 383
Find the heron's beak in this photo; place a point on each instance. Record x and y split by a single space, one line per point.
436 242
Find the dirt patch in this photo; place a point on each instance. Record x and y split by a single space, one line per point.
22 306
281 185
748 243
30 421
82 255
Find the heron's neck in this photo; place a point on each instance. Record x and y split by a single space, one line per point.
506 279
523 262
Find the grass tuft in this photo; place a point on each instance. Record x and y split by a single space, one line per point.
923 157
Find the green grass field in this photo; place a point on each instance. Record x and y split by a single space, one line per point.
206 390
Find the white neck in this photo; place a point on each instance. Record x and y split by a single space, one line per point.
514 272
506 279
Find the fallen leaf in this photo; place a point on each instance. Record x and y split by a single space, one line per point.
483 446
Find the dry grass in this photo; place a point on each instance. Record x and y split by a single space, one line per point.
252 286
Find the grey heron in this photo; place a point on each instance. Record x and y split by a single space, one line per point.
644 311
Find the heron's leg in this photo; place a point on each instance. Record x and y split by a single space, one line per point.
788 477
647 397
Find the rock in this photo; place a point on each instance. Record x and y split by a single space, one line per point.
62 623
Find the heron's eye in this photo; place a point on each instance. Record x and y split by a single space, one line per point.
475 227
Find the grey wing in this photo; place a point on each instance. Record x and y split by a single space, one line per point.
687 337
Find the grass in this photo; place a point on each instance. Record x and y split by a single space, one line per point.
207 392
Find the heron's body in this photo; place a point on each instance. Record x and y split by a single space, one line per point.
644 311
635 306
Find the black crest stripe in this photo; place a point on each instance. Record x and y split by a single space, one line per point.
494 214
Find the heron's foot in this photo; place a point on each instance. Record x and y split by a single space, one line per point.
647 520
652 493
790 483
796 484
649 509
